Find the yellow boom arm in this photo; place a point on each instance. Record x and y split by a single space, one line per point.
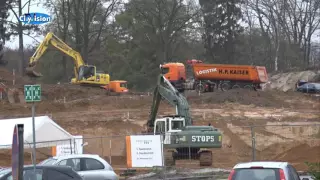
53 40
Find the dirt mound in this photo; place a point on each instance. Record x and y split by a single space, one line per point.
286 81
241 96
41 154
298 154
7 77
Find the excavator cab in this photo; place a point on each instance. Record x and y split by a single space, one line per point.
86 71
167 125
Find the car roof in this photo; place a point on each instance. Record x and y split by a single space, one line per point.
76 156
264 164
8 170
47 167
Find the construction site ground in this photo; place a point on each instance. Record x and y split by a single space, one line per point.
91 113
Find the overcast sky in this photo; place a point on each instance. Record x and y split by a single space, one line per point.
14 42
34 7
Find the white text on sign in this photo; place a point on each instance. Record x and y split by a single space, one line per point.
202 138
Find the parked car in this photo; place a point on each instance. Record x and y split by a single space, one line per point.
89 166
309 88
43 173
306 178
263 170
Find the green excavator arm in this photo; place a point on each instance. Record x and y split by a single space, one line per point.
165 90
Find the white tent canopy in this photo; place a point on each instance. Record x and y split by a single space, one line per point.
48 133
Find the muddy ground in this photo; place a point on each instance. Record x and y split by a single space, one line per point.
285 122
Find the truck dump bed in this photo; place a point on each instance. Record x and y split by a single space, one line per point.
254 74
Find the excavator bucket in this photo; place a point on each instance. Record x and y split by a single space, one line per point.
30 71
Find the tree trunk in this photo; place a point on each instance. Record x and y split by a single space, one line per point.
20 31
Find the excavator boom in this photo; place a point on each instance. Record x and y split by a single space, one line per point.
165 90
53 40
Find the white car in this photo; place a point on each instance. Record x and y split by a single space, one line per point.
88 166
264 170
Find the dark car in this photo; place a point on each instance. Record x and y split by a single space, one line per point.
44 173
309 88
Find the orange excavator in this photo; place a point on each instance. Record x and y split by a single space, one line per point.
208 77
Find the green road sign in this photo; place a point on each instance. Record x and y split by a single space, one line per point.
32 93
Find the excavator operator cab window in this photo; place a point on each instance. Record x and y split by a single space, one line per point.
176 125
124 85
160 127
164 70
86 72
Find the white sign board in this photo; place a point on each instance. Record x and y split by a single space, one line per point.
76 145
144 151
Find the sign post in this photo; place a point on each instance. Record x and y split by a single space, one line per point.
17 160
32 93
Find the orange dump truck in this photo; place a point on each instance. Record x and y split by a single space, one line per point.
208 77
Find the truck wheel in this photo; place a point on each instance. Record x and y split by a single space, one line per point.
249 87
200 88
205 158
225 86
212 87
235 86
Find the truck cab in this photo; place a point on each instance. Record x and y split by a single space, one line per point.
175 73
117 86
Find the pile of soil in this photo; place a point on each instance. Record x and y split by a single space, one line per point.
7 77
69 91
241 96
299 154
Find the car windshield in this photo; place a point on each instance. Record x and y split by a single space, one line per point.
256 174
49 161
124 85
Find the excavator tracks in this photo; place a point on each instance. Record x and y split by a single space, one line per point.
205 158
169 158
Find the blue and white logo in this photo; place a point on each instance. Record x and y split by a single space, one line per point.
35 18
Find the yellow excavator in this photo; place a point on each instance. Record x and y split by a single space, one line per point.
84 74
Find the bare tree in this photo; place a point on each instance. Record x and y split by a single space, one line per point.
291 21
17 28
61 24
164 21
89 19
